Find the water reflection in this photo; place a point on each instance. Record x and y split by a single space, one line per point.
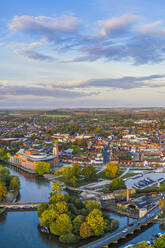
162 227
33 188
2 218
50 240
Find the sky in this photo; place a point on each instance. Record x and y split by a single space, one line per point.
85 53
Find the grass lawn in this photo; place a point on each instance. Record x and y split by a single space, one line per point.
101 175
129 174
143 168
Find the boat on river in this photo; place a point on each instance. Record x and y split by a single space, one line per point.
44 229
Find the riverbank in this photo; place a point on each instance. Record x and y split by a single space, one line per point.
22 168
160 221
10 198
121 212
50 177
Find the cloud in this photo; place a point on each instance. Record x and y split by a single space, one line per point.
31 54
39 91
3 83
124 83
118 25
151 28
63 32
124 39
120 38
51 28
29 50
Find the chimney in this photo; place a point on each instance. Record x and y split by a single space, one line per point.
127 193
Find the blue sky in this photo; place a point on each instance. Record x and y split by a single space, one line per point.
86 53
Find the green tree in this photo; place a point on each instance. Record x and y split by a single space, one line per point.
76 149
113 225
160 242
15 183
61 207
62 225
85 230
56 187
5 176
78 220
96 221
76 167
89 172
3 192
42 167
42 208
56 197
70 174
112 170
90 205
117 183
66 172
68 238
73 181
48 216
4 155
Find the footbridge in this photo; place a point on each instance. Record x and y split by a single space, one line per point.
21 205
123 232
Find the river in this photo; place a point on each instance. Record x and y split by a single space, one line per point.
20 229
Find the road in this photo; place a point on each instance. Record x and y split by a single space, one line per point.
124 173
109 238
106 156
102 184
106 159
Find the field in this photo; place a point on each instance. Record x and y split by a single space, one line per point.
56 115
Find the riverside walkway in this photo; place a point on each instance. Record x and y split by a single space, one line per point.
123 232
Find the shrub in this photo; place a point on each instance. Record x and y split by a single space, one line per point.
68 238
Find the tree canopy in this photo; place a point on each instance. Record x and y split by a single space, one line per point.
90 205
42 167
15 183
117 183
112 170
8 181
89 172
70 219
160 242
70 174
4 155
96 222
3 192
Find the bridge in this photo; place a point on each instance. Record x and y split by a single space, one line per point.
123 232
21 205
